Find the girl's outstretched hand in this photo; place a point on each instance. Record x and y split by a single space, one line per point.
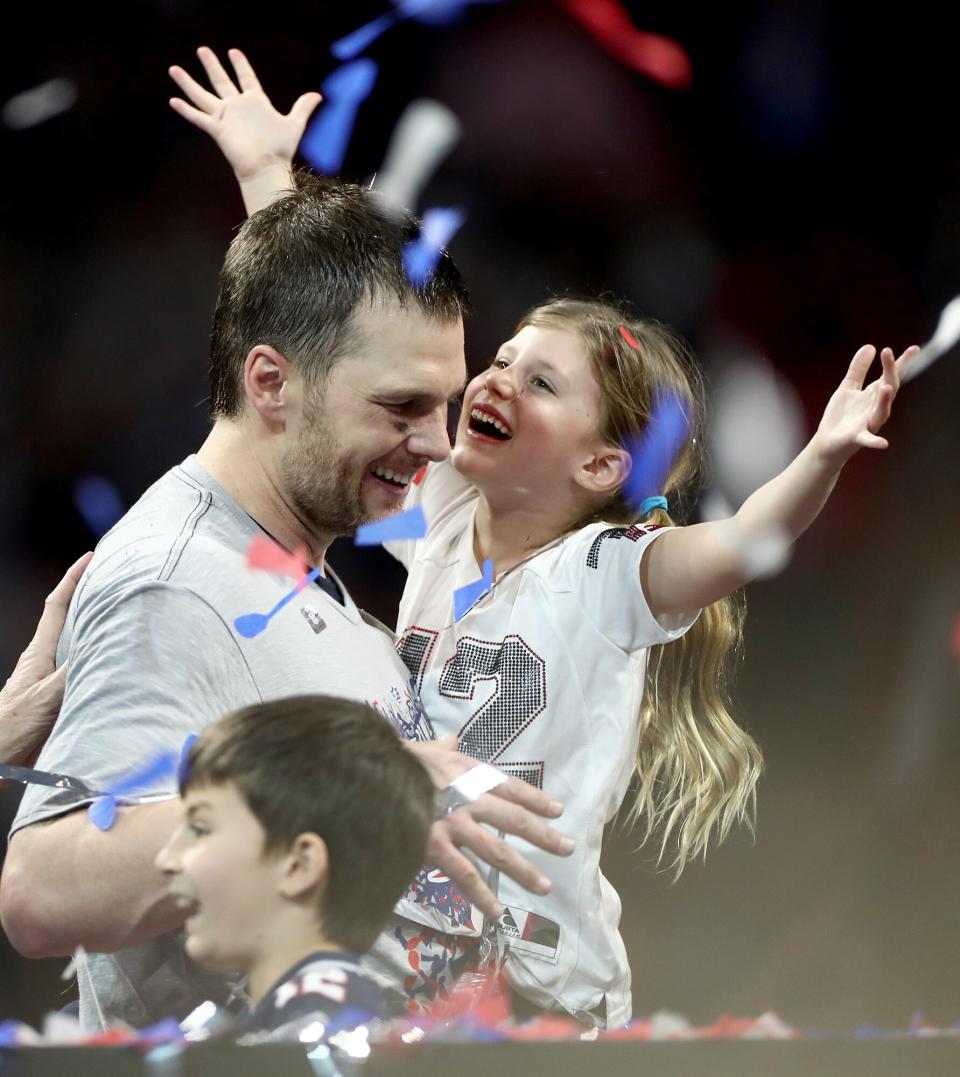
854 414
251 133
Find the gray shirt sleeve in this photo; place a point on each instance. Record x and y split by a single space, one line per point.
148 665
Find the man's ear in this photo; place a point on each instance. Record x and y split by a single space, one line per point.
605 471
268 378
305 867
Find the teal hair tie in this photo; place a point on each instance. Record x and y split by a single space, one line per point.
650 503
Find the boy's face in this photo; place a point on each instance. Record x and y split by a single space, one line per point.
218 873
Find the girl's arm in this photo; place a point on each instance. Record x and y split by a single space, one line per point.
691 567
258 141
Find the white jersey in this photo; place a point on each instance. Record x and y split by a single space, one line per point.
543 678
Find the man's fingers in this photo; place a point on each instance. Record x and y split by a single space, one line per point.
448 742
530 797
219 79
516 820
494 851
466 876
246 76
207 102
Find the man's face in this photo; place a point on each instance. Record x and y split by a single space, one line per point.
220 876
379 417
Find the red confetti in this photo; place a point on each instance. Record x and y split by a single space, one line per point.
418 478
486 1005
265 554
628 337
654 55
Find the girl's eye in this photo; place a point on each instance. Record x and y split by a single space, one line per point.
499 363
541 384
197 831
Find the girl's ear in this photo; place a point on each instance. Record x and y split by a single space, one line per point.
606 471
305 867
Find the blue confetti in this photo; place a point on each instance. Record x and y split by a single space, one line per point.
325 142
167 1030
411 524
252 624
353 44
8 1033
421 255
464 597
653 453
103 811
183 765
435 12
98 502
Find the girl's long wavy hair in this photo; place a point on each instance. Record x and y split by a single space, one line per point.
697 770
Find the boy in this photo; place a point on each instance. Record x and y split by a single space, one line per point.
304 820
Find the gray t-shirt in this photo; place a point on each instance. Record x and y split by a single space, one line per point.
154 657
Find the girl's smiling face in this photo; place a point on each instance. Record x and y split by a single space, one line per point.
531 422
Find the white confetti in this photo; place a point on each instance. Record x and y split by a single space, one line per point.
70 972
425 133
764 553
946 335
757 427
43 102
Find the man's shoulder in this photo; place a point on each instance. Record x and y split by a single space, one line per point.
175 535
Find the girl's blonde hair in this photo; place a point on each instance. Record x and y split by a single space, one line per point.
697 770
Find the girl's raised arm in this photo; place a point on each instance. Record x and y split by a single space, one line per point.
258 141
692 567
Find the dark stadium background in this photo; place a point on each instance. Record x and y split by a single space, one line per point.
803 197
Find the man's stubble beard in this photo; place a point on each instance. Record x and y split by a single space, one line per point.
321 484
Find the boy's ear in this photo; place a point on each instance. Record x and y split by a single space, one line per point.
605 471
305 867
268 378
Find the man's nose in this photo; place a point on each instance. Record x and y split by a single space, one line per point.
430 439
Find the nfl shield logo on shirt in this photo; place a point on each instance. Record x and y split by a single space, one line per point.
314 620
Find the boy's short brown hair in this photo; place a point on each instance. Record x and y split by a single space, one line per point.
335 768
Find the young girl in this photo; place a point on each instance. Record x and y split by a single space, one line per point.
603 647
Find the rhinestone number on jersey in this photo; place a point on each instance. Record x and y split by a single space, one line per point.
519 677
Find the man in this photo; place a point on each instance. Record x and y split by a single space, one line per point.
330 378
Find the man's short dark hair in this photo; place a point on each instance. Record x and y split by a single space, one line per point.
336 768
296 274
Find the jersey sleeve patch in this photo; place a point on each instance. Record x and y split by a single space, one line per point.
631 534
